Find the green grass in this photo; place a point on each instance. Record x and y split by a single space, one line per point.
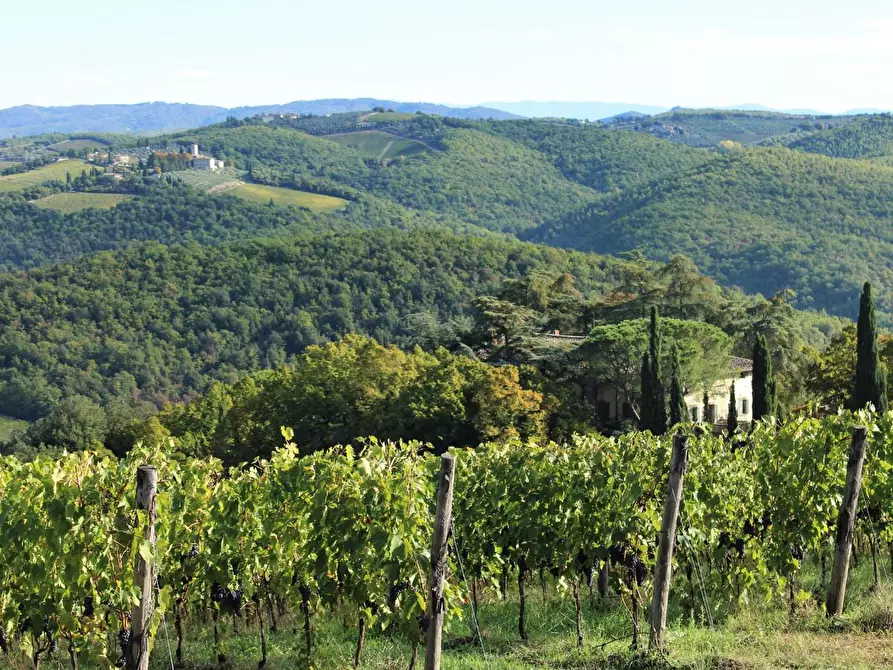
380 117
8 426
379 144
66 203
50 172
746 637
285 196
77 145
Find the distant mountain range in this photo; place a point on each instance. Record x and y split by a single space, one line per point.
152 117
163 116
597 111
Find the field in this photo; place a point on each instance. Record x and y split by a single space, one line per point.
66 203
209 180
386 117
379 144
6 164
51 172
286 196
77 145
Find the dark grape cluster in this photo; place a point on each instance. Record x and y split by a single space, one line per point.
4 644
123 642
88 606
228 601
193 551
395 590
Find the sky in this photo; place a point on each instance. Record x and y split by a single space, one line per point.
783 54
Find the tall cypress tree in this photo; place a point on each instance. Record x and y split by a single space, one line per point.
732 421
764 400
645 412
871 382
658 404
678 408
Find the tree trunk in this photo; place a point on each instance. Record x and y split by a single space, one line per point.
415 655
522 628
305 608
874 562
543 583
579 607
824 571
272 610
263 643
178 625
635 609
504 580
73 655
221 657
361 640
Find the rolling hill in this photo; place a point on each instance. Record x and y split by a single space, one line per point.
762 219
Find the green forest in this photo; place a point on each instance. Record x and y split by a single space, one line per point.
156 300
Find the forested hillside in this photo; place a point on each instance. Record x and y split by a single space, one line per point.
864 137
160 323
761 219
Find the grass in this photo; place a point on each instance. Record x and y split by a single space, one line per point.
77 145
43 174
379 144
66 203
748 637
8 426
389 117
285 196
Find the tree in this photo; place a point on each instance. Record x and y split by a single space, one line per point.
615 354
645 410
678 408
871 382
658 403
732 421
502 325
764 389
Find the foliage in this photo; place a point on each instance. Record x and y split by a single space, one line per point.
765 400
762 219
353 388
161 323
871 381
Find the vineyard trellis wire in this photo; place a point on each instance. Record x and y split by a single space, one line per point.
349 530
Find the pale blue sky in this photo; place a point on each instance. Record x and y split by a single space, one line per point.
782 53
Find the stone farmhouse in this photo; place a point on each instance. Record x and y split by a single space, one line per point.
202 162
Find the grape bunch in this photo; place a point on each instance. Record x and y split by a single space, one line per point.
123 642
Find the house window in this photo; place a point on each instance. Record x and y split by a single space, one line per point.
628 411
745 406
711 413
695 412
604 411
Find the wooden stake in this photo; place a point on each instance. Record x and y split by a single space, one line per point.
439 561
144 573
846 523
663 570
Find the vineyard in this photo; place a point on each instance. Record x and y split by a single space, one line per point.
349 531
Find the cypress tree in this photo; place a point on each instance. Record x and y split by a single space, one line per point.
764 391
658 404
645 412
732 421
871 382
678 408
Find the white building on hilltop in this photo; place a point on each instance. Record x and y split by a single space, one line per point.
202 162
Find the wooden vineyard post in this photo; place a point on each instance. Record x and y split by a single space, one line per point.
664 566
846 523
439 561
144 573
